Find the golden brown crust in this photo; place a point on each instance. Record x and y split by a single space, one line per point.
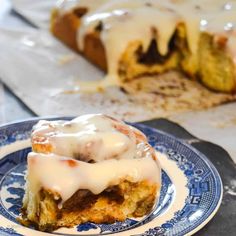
39 145
65 28
94 50
116 203
212 65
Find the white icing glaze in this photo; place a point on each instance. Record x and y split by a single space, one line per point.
93 137
66 5
125 21
65 176
119 151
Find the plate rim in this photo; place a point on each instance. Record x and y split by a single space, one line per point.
201 155
209 164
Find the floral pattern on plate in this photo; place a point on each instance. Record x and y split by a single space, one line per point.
190 195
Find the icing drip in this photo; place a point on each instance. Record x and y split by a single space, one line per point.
91 137
125 21
118 152
64 176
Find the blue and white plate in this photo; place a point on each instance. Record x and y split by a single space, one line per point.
191 190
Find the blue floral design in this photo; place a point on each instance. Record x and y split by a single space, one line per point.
204 184
105 228
157 231
86 227
8 232
15 201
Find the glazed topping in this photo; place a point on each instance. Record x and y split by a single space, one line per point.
64 176
118 152
92 138
67 5
125 21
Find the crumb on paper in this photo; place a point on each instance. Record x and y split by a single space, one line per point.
64 59
225 123
100 89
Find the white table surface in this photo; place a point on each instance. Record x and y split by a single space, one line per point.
11 108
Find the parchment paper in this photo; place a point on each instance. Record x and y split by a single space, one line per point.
37 12
39 69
